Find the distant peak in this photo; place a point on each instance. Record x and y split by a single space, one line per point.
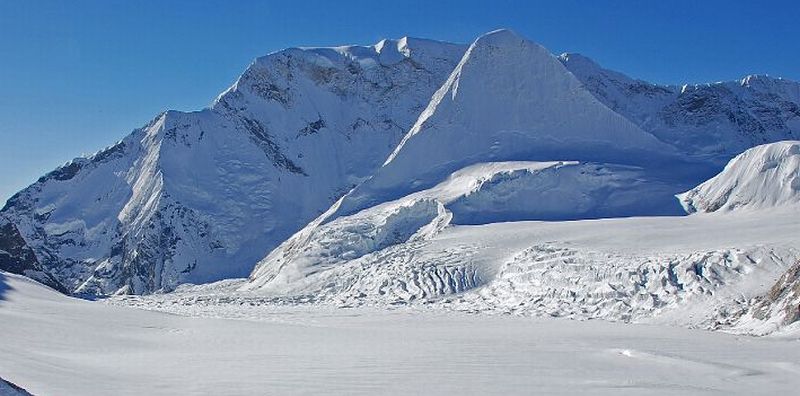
754 80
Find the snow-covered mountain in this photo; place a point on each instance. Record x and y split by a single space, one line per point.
198 197
379 145
442 221
508 99
711 121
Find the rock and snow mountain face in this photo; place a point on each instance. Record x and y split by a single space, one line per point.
502 132
198 197
709 121
493 147
508 100
766 176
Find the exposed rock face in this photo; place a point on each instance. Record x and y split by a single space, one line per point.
782 300
17 257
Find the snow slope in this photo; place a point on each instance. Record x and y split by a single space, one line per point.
198 197
762 177
401 237
633 269
59 345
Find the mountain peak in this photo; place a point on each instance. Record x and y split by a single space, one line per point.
503 102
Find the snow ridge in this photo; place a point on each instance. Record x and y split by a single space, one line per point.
765 176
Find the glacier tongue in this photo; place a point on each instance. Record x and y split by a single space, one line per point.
329 257
500 142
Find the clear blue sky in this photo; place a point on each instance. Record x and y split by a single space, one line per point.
76 76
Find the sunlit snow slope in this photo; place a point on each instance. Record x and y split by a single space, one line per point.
705 270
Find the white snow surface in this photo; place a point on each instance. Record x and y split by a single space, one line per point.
527 190
765 176
478 194
59 345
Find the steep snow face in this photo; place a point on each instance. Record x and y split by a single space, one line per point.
400 237
508 99
709 121
198 197
762 177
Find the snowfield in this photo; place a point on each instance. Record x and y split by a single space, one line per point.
68 346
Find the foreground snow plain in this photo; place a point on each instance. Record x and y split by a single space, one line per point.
59 345
221 339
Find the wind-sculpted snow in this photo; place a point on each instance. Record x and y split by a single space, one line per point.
762 177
